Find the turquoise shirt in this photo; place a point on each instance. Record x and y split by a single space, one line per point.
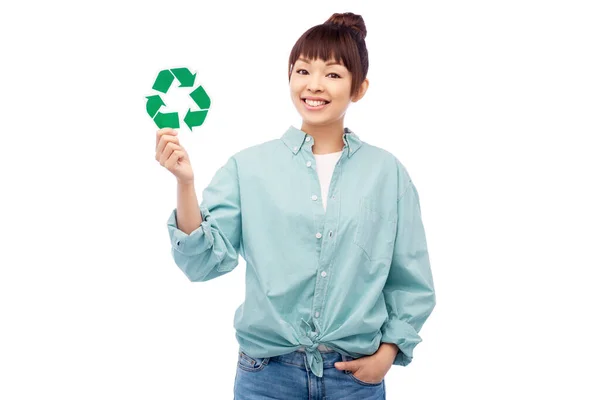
351 278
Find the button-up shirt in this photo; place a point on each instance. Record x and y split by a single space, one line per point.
351 277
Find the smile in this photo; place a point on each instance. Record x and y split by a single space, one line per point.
316 105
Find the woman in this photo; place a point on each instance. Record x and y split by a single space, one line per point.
338 281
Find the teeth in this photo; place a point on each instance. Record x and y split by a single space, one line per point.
314 103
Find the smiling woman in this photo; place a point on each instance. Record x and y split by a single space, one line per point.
338 282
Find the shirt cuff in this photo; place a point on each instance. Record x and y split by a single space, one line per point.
403 335
198 241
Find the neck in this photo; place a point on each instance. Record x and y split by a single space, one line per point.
328 138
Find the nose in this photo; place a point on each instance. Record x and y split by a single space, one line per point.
314 84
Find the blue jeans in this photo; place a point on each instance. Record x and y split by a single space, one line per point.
288 377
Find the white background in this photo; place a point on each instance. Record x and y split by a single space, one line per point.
493 107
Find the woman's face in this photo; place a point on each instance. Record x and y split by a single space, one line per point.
328 81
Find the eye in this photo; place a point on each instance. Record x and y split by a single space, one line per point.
331 73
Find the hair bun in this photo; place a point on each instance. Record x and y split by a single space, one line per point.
349 20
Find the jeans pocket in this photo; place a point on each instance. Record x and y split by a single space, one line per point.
354 378
251 364
351 374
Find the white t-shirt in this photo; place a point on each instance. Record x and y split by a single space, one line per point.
325 166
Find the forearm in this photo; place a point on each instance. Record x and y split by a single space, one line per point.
189 217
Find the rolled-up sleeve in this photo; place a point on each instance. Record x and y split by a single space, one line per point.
213 248
408 292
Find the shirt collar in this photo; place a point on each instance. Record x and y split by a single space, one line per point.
295 138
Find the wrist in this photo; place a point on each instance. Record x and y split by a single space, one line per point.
389 349
185 183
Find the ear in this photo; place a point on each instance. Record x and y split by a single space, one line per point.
362 89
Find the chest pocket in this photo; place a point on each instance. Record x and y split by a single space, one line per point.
376 231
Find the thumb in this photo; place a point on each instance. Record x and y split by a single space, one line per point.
345 365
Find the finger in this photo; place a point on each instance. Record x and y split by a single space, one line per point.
173 159
346 365
165 135
166 153
164 131
164 141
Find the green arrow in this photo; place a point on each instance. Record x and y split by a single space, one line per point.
184 76
200 97
153 104
194 118
163 81
168 120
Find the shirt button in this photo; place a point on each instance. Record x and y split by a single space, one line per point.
314 197
317 314
318 235
308 163
308 138
295 148
323 274
330 233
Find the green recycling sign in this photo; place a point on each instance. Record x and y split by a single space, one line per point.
171 119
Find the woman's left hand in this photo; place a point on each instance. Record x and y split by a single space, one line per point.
371 369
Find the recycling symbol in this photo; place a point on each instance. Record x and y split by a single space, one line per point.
171 119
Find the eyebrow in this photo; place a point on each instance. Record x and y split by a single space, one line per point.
327 63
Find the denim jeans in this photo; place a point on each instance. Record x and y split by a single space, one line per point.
288 377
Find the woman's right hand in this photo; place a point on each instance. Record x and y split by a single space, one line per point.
171 155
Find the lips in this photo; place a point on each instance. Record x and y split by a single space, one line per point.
315 99
314 108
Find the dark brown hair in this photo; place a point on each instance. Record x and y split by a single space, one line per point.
341 37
